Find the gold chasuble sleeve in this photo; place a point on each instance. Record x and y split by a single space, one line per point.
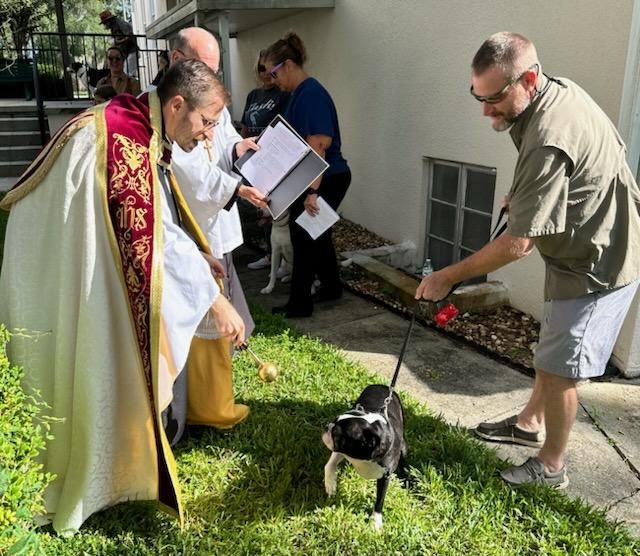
210 366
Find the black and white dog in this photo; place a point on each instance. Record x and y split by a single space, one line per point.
372 440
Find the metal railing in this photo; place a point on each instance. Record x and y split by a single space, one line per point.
69 65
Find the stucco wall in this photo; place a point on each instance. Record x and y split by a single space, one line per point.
399 74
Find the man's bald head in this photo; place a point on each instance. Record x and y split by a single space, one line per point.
198 44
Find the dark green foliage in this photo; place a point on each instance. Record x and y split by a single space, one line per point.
22 437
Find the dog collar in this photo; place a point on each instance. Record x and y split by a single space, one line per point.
368 417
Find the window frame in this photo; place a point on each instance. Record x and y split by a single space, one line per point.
460 205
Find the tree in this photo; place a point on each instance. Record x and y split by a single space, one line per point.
19 18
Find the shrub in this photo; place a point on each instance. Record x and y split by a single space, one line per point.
23 432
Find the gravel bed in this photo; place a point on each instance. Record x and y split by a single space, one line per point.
506 333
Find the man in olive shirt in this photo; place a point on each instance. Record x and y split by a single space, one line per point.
574 199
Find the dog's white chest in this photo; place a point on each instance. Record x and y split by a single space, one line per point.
367 469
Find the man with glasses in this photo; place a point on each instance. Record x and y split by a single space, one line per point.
101 270
210 189
574 199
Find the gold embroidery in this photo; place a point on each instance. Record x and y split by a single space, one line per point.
130 171
141 250
129 217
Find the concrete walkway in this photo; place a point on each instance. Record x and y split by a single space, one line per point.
466 387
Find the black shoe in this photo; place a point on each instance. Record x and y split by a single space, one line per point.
292 312
327 294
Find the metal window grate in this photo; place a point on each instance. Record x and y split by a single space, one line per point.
459 210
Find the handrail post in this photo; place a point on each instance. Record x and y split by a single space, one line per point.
38 95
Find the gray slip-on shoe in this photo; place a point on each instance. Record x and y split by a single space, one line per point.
507 430
532 472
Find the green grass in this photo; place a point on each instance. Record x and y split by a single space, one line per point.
259 488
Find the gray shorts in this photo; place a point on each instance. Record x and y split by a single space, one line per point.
577 335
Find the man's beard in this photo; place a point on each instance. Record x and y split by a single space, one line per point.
510 118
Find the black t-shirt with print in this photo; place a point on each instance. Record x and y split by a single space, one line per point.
261 107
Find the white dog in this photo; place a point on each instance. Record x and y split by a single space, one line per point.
281 252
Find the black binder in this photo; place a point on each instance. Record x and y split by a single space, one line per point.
296 182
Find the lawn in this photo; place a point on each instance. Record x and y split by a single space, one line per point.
259 488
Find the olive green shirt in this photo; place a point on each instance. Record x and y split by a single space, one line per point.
574 193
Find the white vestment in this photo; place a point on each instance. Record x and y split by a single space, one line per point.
209 185
62 296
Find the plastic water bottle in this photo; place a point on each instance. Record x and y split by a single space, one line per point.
427 268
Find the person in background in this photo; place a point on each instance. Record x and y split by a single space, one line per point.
575 199
263 104
312 113
103 94
123 38
117 78
210 190
163 66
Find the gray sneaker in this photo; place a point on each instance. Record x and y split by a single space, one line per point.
507 430
532 472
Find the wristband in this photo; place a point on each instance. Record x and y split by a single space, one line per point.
312 191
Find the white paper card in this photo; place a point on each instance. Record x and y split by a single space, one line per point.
321 222
280 150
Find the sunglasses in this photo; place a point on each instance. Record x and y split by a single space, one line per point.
502 93
261 68
114 58
274 70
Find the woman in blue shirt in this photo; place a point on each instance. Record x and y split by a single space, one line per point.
313 115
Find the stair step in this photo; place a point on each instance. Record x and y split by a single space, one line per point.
13 169
13 153
19 138
7 183
19 123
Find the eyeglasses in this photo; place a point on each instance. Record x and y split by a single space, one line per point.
114 58
274 70
261 68
502 93
206 122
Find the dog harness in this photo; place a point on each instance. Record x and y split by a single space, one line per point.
359 413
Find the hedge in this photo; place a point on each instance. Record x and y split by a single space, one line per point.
23 432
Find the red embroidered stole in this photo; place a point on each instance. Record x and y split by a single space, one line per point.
131 207
130 200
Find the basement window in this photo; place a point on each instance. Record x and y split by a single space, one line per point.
459 210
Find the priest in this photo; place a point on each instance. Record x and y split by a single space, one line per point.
105 278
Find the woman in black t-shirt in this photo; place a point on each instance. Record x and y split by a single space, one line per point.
263 103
